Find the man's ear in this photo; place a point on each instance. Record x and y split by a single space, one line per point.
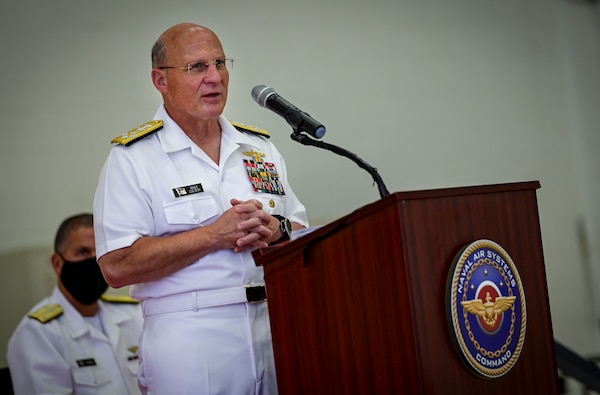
57 263
159 80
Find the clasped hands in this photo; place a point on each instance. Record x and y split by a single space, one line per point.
246 226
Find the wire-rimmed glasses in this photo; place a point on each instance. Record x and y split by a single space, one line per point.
199 68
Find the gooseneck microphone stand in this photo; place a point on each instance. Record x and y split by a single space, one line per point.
306 140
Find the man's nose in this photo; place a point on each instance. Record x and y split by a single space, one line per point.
212 74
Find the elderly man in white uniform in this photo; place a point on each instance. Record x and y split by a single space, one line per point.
181 203
71 342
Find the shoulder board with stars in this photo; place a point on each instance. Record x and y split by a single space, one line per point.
250 129
119 299
47 313
135 134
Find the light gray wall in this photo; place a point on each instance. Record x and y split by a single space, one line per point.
433 93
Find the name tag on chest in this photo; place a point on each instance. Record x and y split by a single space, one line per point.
86 362
188 190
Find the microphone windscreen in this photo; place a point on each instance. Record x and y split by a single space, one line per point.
260 94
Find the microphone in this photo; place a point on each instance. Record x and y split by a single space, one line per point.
299 120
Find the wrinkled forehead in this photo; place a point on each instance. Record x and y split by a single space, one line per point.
80 238
193 44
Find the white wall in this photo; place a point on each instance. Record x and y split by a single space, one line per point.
433 93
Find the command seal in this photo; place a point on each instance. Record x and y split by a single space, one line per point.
486 310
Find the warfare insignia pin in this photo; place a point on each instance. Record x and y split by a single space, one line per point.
486 310
133 350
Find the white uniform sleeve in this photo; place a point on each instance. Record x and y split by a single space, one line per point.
122 211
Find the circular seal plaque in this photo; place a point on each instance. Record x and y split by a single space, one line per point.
486 309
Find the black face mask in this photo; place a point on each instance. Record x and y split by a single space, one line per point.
83 280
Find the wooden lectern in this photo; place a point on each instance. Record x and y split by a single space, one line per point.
359 305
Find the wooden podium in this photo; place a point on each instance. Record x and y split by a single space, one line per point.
359 305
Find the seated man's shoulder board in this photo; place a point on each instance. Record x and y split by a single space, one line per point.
47 313
250 129
119 299
136 134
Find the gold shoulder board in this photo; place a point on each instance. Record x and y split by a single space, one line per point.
135 134
47 313
119 299
250 129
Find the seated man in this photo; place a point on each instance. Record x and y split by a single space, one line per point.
77 340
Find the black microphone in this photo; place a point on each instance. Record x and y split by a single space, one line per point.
299 120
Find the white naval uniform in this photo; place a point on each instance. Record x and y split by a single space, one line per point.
67 355
208 350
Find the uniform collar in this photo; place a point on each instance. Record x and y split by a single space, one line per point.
76 326
72 320
172 138
114 313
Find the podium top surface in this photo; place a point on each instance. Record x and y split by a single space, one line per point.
394 198
467 190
